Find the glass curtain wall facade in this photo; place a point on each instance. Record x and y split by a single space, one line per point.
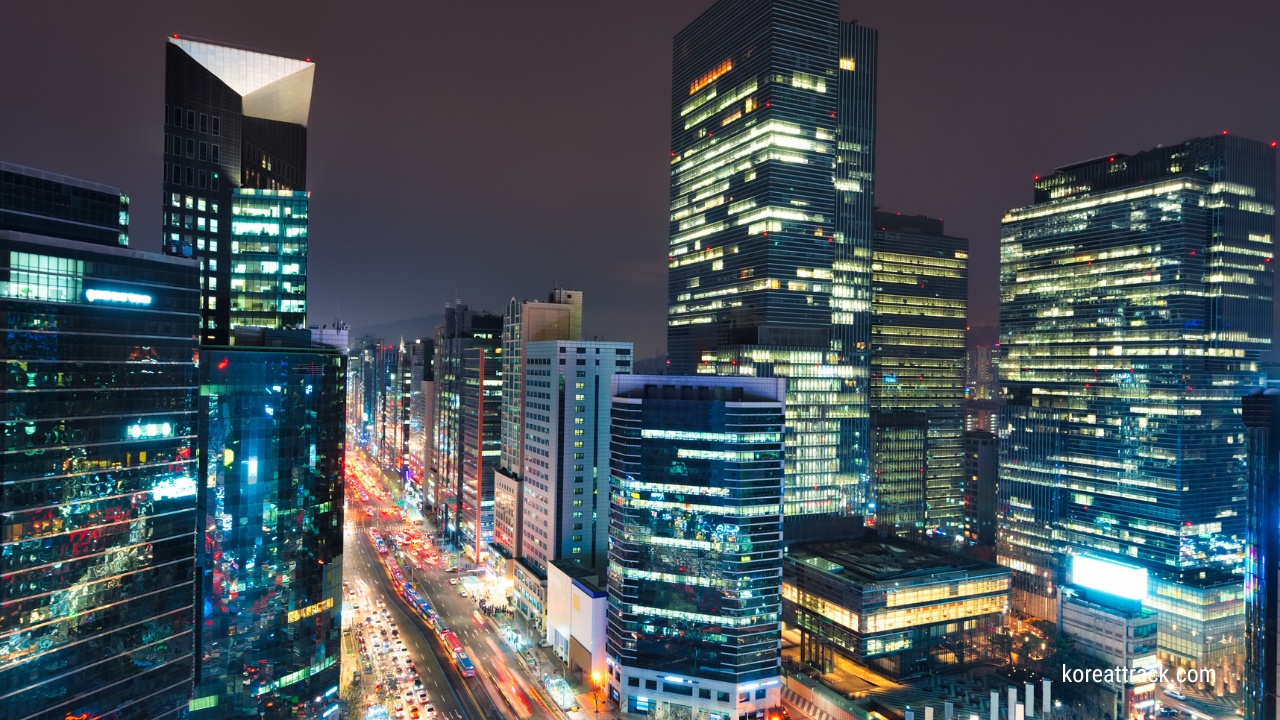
1261 413
233 119
899 442
920 301
270 548
1136 298
268 259
772 167
695 560
44 203
98 512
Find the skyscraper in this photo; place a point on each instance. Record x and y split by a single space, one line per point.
44 203
268 273
1261 413
695 562
772 180
234 119
99 503
920 280
1136 299
463 332
269 552
565 480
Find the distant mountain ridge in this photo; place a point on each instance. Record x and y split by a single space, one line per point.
423 326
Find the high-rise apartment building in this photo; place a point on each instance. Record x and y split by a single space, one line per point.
772 180
269 551
1136 299
982 374
920 290
565 479
466 351
98 512
234 119
695 562
559 318
1261 413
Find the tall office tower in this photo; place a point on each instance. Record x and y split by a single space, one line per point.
1136 298
463 330
695 564
480 409
43 203
920 291
1261 412
772 168
389 400
268 271
234 119
982 372
560 318
899 442
98 511
981 469
565 479
421 397
269 555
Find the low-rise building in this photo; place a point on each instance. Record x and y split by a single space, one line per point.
576 602
901 609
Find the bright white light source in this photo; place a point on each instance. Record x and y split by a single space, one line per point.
1125 581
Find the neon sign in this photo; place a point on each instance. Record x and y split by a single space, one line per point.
112 296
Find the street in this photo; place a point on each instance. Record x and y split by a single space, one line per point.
503 684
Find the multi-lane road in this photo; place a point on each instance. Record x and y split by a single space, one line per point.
503 685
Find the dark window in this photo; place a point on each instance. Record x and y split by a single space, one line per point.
204 180
582 361
191 148
177 146
215 124
215 154
191 119
704 693
177 174
582 351
677 689
177 117
166 113
650 684
722 696
204 152
633 682
760 694
204 123
191 177
213 185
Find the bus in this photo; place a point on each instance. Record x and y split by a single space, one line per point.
451 641
465 666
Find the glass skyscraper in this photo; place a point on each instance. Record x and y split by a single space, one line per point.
44 203
919 317
270 551
268 259
1136 298
695 556
98 510
772 180
1261 414
233 119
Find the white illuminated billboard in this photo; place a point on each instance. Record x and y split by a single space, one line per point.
1125 581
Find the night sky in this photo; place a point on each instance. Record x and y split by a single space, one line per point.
496 149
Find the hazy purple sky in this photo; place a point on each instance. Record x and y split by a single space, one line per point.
489 150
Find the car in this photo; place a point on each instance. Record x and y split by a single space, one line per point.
422 696
417 683
453 581
394 632
463 593
413 711
430 711
1175 695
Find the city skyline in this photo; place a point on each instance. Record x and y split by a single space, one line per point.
952 119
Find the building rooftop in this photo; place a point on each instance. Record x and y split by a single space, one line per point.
55 177
877 561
